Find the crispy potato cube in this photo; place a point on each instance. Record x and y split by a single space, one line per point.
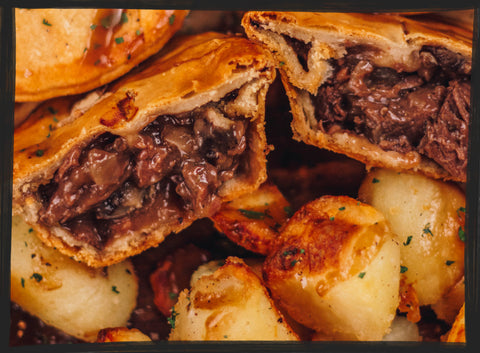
446 308
121 334
336 269
67 294
229 304
253 220
457 332
428 218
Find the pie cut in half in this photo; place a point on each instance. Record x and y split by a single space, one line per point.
70 51
383 89
109 174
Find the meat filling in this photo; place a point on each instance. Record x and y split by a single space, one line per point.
169 172
425 111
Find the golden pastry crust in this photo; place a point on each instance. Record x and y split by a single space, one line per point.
70 51
399 40
195 71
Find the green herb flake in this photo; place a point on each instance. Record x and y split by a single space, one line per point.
171 19
37 276
449 262
302 251
461 209
128 271
26 245
252 214
96 62
375 180
332 218
124 18
293 263
409 240
92 27
39 153
288 210
461 234
342 208
362 274
403 269
115 290
281 63
106 22
225 336
52 110
46 23
172 318
22 281
138 32
119 40
55 119
30 230
172 295
427 230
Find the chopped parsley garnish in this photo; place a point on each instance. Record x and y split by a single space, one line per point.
293 263
52 110
171 19
106 22
39 153
172 295
342 208
362 274
461 234
288 210
128 271
115 290
138 32
30 230
46 23
22 281
302 251
124 18
375 180
409 239
461 209
96 62
332 218
119 40
92 27
37 276
449 262
427 230
403 269
252 214
55 119
172 318
281 63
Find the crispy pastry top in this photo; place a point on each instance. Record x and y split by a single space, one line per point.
69 51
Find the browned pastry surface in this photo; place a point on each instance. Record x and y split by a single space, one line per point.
69 51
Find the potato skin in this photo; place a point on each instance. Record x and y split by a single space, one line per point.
67 294
426 215
229 304
336 269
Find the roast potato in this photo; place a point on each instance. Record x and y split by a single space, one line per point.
253 220
336 269
229 304
67 294
121 334
428 218
457 332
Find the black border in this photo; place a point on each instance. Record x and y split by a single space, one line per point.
472 253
